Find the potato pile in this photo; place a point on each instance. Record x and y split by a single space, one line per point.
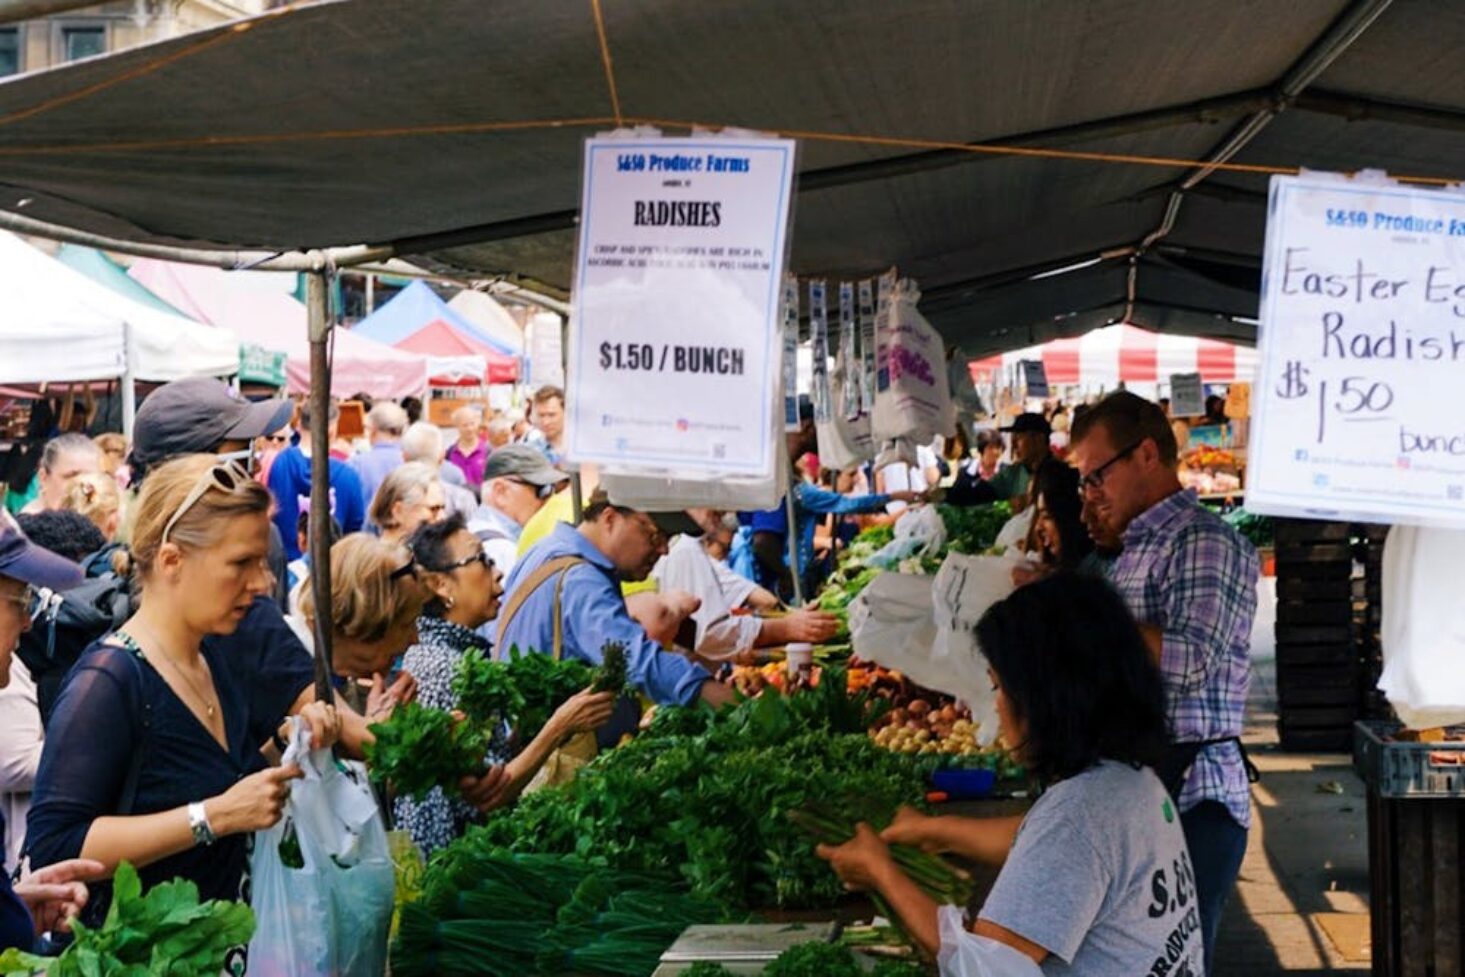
920 727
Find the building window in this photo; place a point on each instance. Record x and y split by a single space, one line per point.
82 42
9 51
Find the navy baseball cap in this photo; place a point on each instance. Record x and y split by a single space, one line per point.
194 415
22 560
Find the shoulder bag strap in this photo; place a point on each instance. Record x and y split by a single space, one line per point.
525 590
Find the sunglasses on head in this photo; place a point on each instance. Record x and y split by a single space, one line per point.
226 477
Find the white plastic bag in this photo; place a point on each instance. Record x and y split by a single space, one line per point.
844 441
1014 532
1423 626
891 624
965 954
332 916
965 587
919 531
912 396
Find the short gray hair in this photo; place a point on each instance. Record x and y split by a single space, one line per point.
500 425
72 443
468 410
388 418
423 442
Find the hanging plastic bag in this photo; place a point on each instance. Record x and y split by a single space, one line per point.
1423 626
965 954
912 398
1014 532
891 624
965 587
919 532
323 880
843 440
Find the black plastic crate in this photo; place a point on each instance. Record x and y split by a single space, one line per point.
1315 612
1289 531
1404 768
1309 685
1327 739
1296 588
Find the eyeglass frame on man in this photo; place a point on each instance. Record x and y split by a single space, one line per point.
1094 480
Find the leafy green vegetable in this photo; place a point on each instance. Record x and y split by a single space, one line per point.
898 968
421 748
545 684
611 675
972 529
485 691
814 960
1259 530
706 968
167 932
710 806
486 911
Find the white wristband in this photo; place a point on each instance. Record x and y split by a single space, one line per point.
198 823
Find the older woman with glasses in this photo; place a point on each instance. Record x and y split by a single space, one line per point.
156 753
466 590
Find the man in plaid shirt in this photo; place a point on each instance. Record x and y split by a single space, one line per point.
1190 580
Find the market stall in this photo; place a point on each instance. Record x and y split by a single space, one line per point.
274 320
1107 357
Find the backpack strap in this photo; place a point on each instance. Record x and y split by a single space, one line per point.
560 565
142 717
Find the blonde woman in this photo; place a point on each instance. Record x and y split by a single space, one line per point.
98 498
154 752
375 601
411 496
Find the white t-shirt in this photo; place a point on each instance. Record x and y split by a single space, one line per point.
688 566
21 742
908 478
1100 877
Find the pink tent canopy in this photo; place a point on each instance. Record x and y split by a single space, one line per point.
277 321
1107 356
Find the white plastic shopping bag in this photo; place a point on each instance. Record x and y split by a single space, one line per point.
844 440
1423 626
965 587
912 396
919 531
965 954
322 879
891 624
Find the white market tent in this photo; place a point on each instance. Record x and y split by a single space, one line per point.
60 325
488 315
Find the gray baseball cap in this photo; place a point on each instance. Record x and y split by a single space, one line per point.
194 415
524 462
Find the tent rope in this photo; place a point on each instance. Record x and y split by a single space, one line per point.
597 122
149 67
610 75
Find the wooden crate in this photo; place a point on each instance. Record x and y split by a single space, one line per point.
1415 886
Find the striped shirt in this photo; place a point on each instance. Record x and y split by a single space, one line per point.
1187 572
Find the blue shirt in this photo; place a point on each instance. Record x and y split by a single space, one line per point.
593 612
290 484
374 466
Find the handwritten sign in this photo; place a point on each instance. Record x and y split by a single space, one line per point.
1035 378
1362 348
677 332
1187 395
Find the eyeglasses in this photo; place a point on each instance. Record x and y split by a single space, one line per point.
654 535
542 491
480 557
24 599
227 477
1094 480
408 569
278 438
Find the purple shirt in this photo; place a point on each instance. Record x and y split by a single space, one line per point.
1187 572
470 464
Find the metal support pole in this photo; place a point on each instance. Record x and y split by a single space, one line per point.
793 539
317 303
127 389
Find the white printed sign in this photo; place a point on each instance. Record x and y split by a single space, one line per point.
1362 349
546 351
1187 395
676 336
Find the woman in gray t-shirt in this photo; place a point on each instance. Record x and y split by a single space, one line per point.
1096 879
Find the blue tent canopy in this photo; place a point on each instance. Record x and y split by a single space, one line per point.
417 306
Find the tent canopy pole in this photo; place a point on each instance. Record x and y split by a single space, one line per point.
317 301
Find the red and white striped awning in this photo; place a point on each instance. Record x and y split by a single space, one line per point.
1107 356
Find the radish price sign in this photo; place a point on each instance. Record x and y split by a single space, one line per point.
1362 351
676 335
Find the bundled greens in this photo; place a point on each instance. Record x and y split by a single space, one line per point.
486 911
544 684
611 676
485 690
421 748
710 806
166 933
973 529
